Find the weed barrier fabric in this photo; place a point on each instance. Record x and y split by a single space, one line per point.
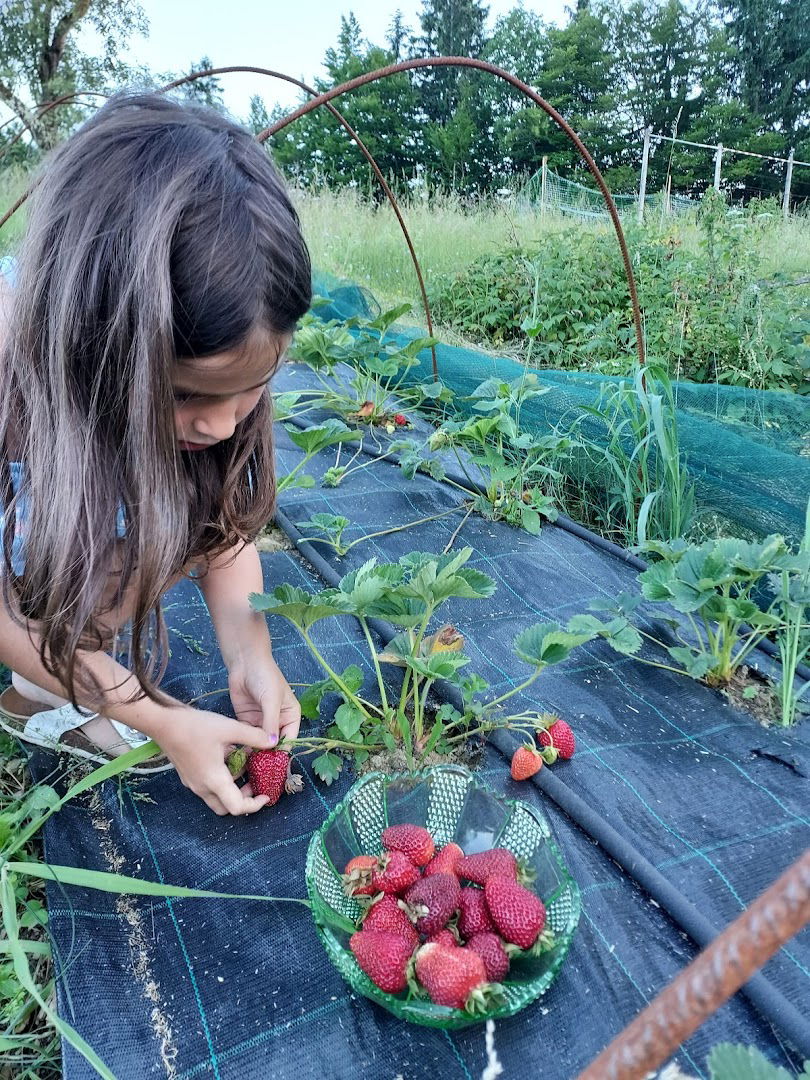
228 988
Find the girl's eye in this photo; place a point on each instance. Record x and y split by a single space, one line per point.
181 398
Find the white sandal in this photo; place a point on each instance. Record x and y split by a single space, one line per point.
60 729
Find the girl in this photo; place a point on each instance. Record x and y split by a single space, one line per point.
161 277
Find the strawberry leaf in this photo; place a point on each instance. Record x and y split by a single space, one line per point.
329 433
728 1061
547 643
327 766
349 719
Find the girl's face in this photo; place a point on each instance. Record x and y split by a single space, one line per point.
214 393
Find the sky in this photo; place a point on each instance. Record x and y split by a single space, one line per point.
284 36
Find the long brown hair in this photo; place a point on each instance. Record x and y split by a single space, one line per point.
158 231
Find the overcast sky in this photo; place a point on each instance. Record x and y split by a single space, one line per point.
285 36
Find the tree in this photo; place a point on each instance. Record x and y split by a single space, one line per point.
398 34
207 91
449 28
41 61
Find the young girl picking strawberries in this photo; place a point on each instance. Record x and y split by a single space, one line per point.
161 277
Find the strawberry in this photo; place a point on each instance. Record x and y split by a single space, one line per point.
445 937
432 902
384 957
451 976
411 840
559 737
401 420
474 917
444 861
526 761
490 948
386 914
394 873
518 914
269 773
357 875
479 867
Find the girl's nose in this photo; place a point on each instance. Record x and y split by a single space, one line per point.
216 422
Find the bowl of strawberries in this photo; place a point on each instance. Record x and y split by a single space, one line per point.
440 900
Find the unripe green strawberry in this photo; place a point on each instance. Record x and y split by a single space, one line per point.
490 948
433 901
559 737
269 774
518 914
445 861
474 917
386 914
384 957
412 840
484 864
394 874
451 976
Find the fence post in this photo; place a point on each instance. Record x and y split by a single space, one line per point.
788 180
718 163
642 184
543 176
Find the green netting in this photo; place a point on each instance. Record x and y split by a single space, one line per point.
748 451
562 196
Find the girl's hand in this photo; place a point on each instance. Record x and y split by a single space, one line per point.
261 696
197 743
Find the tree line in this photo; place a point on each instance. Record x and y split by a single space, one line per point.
735 72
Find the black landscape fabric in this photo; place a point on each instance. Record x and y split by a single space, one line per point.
713 802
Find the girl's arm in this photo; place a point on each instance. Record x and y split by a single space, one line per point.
259 692
196 741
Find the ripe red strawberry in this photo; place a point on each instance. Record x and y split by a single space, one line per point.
474 917
412 840
559 737
401 420
433 901
526 761
384 957
518 914
484 864
386 914
357 875
394 873
445 861
451 976
445 937
490 948
269 773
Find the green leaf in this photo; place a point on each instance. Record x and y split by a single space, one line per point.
442 665
547 643
728 1061
295 604
349 720
327 766
310 698
329 433
694 663
530 520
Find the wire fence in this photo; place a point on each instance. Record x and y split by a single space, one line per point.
549 192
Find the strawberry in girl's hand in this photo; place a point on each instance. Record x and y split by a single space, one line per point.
384 957
490 948
412 840
357 875
394 873
526 761
474 917
386 914
445 861
482 865
269 773
560 738
453 976
432 902
518 914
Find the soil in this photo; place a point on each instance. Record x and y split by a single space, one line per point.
752 692
470 755
273 539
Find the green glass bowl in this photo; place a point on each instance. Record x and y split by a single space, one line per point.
453 805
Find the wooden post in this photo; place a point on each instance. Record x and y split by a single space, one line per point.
718 163
543 178
642 184
788 181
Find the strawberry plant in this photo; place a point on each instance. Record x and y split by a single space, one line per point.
403 714
720 586
312 440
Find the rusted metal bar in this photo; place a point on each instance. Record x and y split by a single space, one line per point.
710 980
